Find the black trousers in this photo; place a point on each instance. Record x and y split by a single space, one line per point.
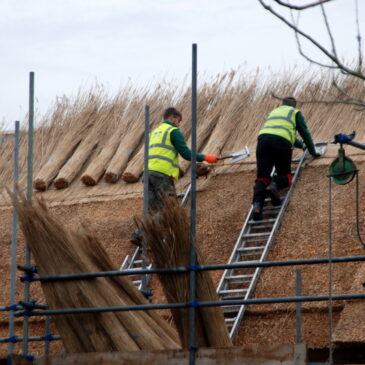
272 152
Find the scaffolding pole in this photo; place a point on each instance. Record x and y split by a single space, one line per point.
29 198
13 306
145 193
184 269
196 304
192 294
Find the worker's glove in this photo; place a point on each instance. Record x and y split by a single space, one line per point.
211 158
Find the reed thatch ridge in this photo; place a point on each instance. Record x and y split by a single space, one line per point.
95 136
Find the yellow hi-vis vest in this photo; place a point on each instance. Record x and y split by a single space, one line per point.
162 155
281 122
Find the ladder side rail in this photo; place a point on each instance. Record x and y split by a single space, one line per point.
124 263
135 256
264 254
186 196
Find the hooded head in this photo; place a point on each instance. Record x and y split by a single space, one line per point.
290 101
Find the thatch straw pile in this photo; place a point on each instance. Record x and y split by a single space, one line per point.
57 251
95 137
168 236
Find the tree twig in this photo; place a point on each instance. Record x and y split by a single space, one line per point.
301 7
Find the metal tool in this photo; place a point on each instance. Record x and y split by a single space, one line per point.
237 156
321 147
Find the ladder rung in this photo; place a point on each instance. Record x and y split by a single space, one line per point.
230 320
263 226
229 291
263 221
250 254
256 235
233 297
271 207
252 240
232 277
231 309
269 199
251 248
240 282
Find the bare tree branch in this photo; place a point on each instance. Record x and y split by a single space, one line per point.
302 7
300 49
358 37
331 55
329 31
350 101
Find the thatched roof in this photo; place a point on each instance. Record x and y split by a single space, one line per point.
235 112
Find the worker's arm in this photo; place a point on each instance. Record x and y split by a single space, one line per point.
305 134
178 140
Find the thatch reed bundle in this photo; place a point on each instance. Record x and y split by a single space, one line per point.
118 124
168 236
83 122
73 165
57 250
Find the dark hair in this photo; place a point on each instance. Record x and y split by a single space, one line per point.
171 112
290 101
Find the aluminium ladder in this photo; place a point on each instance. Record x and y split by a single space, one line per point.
252 245
135 261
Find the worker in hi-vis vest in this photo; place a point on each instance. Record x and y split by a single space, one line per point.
166 143
274 148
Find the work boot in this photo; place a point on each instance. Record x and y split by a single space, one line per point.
136 238
273 192
257 211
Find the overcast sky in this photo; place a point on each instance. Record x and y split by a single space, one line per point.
72 43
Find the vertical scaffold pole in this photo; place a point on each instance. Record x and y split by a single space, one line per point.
29 198
14 243
192 297
145 190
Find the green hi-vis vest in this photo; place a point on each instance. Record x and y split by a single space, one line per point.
281 122
162 155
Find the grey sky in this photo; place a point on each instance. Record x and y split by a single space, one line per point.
69 43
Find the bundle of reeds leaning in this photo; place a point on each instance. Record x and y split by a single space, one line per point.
60 251
168 237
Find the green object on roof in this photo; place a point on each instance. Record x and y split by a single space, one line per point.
342 169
